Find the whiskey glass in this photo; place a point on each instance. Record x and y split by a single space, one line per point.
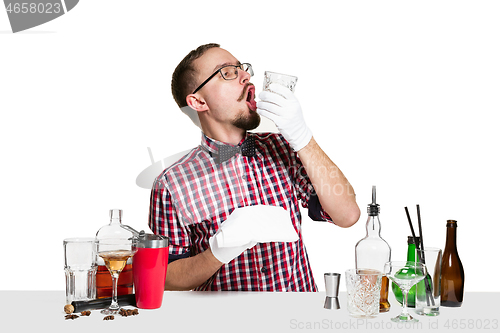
363 292
285 80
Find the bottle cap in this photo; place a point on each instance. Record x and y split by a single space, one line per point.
411 241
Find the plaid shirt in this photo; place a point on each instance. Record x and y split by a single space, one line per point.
192 197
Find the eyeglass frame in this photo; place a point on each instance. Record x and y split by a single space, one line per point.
239 66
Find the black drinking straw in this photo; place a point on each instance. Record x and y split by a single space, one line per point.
428 292
421 236
411 227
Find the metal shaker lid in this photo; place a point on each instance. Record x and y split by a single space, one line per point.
150 241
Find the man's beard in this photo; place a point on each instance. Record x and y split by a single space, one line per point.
247 123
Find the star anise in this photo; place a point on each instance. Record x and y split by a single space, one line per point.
129 312
109 318
71 316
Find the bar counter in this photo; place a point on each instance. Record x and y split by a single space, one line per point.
190 311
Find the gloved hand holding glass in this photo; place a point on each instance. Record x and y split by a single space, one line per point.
278 103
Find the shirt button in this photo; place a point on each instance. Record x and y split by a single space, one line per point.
263 269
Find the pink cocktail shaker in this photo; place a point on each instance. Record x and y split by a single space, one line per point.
150 269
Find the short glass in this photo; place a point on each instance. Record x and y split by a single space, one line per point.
80 268
428 291
363 292
288 81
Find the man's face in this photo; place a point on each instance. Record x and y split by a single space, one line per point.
229 101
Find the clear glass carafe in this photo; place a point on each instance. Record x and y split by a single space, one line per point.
372 252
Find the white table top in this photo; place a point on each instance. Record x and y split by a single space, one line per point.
241 312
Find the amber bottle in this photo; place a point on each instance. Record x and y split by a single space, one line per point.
452 271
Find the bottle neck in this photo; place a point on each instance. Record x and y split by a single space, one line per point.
115 221
451 238
412 253
373 226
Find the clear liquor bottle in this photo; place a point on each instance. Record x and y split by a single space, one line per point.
372 252
104 284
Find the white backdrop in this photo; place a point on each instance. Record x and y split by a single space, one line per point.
400 94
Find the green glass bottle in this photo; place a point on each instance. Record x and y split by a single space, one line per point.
411 256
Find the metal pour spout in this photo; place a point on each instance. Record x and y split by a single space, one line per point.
138 234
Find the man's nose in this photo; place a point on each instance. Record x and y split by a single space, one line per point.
244 76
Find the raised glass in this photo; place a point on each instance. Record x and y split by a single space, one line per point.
285 80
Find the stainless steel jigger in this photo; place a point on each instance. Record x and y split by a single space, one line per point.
332 291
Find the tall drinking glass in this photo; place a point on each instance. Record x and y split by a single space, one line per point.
405 274
115 252
428 291
80 268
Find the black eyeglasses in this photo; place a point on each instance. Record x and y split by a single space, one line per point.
229 72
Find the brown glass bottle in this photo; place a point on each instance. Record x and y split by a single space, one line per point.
452 271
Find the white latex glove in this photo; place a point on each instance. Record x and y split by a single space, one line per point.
226 254
247 226
238 223
284 110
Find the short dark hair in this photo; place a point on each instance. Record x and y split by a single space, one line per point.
184 76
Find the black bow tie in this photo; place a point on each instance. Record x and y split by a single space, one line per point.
225 152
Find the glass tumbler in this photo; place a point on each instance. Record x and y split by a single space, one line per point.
288 81
428 291
363 292
80 268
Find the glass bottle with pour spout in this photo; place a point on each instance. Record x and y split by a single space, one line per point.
372 252
104 284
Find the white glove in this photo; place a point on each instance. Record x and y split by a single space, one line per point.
284 110
226 254
247 226
237 223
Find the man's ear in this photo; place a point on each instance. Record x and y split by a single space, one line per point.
196 102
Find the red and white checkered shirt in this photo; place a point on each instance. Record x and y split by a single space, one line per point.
192 197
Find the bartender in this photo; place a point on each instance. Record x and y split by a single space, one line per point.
200 195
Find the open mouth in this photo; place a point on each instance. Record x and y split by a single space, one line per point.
251 98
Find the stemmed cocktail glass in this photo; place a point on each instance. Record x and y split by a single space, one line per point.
405 274
115 252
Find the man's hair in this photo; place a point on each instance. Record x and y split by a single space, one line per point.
184 76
